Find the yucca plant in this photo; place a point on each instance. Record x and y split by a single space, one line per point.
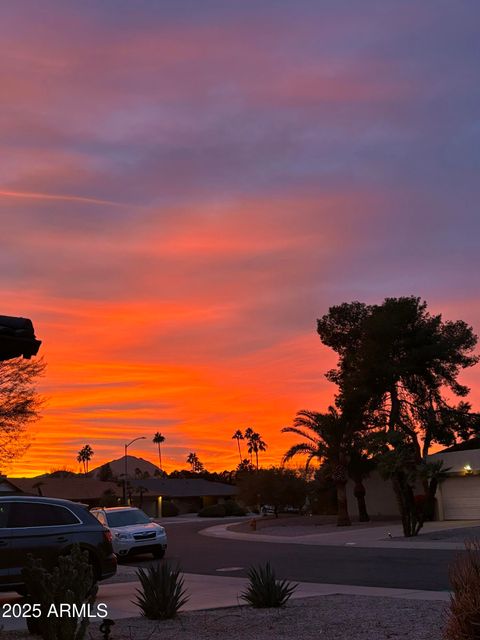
162 593
463 621
265 590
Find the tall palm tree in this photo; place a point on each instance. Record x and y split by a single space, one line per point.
256 444
327 438
195 463
159 439
84 456
238 435
247 436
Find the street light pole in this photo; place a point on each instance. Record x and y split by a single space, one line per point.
126 472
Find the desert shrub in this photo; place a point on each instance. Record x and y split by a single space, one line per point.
213 511
72 582
169 510
162 591
232 508
463 622
264 590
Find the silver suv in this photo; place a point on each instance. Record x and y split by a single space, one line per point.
132 531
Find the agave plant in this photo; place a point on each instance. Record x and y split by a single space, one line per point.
162 591
265 590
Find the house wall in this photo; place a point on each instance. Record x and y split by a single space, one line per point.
379 496
455 461
458 498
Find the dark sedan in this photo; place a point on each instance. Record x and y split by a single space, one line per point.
47 528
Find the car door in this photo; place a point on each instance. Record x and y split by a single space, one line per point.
41 529
5 552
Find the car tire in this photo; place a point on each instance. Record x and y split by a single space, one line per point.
158 553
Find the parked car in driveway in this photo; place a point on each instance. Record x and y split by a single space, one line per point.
47 528
132 531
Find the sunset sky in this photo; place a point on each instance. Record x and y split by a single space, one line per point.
186 186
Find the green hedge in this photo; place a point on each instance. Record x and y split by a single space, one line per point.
213 511
169 509
232 508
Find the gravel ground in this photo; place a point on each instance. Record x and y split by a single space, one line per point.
453 535
321 618
449 535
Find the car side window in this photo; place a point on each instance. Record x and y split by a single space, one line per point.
102 519
3 515
30 514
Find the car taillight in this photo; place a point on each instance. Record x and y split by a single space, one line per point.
107 534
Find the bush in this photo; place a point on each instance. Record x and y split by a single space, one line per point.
213 511
71 582
463 622
232 508
169 510
162 593
265 590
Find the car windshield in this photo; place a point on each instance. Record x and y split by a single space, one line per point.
126 518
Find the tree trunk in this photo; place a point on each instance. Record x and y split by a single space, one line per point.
359 493
406 501
343 519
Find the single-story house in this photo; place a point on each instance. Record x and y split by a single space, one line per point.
93 492
379 497
458 495
188 494
7 487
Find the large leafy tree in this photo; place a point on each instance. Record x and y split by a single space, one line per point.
276 486
20 405
400 365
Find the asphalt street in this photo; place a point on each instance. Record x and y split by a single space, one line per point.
395 568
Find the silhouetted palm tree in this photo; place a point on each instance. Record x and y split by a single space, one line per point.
256 444
158 438
238 435
84 456
327 439
194 461
247 435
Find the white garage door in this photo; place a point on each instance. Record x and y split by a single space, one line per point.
461 498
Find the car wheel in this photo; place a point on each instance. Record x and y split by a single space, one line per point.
158 553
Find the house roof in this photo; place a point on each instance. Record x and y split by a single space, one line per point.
468 445
7 486
184 487
67 488
458 461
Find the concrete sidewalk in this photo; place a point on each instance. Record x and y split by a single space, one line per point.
366 535
212 592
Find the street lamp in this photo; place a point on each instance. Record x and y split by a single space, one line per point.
125 476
